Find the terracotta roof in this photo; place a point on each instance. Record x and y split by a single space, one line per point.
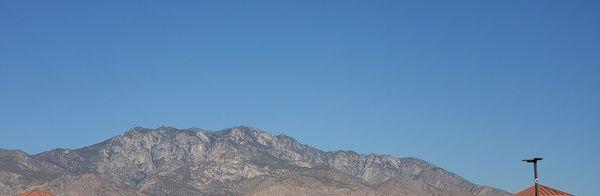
35 192
543 190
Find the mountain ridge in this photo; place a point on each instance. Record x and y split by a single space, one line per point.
240 160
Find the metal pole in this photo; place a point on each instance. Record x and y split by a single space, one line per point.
535 173
537 180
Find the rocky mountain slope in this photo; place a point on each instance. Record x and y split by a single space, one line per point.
235 161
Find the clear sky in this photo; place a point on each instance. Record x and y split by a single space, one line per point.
472 86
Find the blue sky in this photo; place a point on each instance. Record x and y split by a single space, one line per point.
471 86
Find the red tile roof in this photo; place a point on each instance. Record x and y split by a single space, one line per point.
543 190
35 192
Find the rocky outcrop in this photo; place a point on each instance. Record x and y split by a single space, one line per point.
235 161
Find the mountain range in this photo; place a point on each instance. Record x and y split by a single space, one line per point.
235 161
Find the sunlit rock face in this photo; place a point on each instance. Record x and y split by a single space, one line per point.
235 161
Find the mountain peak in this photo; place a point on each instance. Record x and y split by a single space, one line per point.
244 129
234 161
166 127
137 130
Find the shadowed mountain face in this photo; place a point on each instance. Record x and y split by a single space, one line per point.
235 161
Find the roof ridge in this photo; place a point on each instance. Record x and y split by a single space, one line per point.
543 190
35 192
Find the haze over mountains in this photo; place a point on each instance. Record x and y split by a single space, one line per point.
235 161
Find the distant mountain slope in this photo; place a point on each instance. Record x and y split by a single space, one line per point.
235 161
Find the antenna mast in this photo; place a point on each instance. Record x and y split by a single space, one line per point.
535 172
